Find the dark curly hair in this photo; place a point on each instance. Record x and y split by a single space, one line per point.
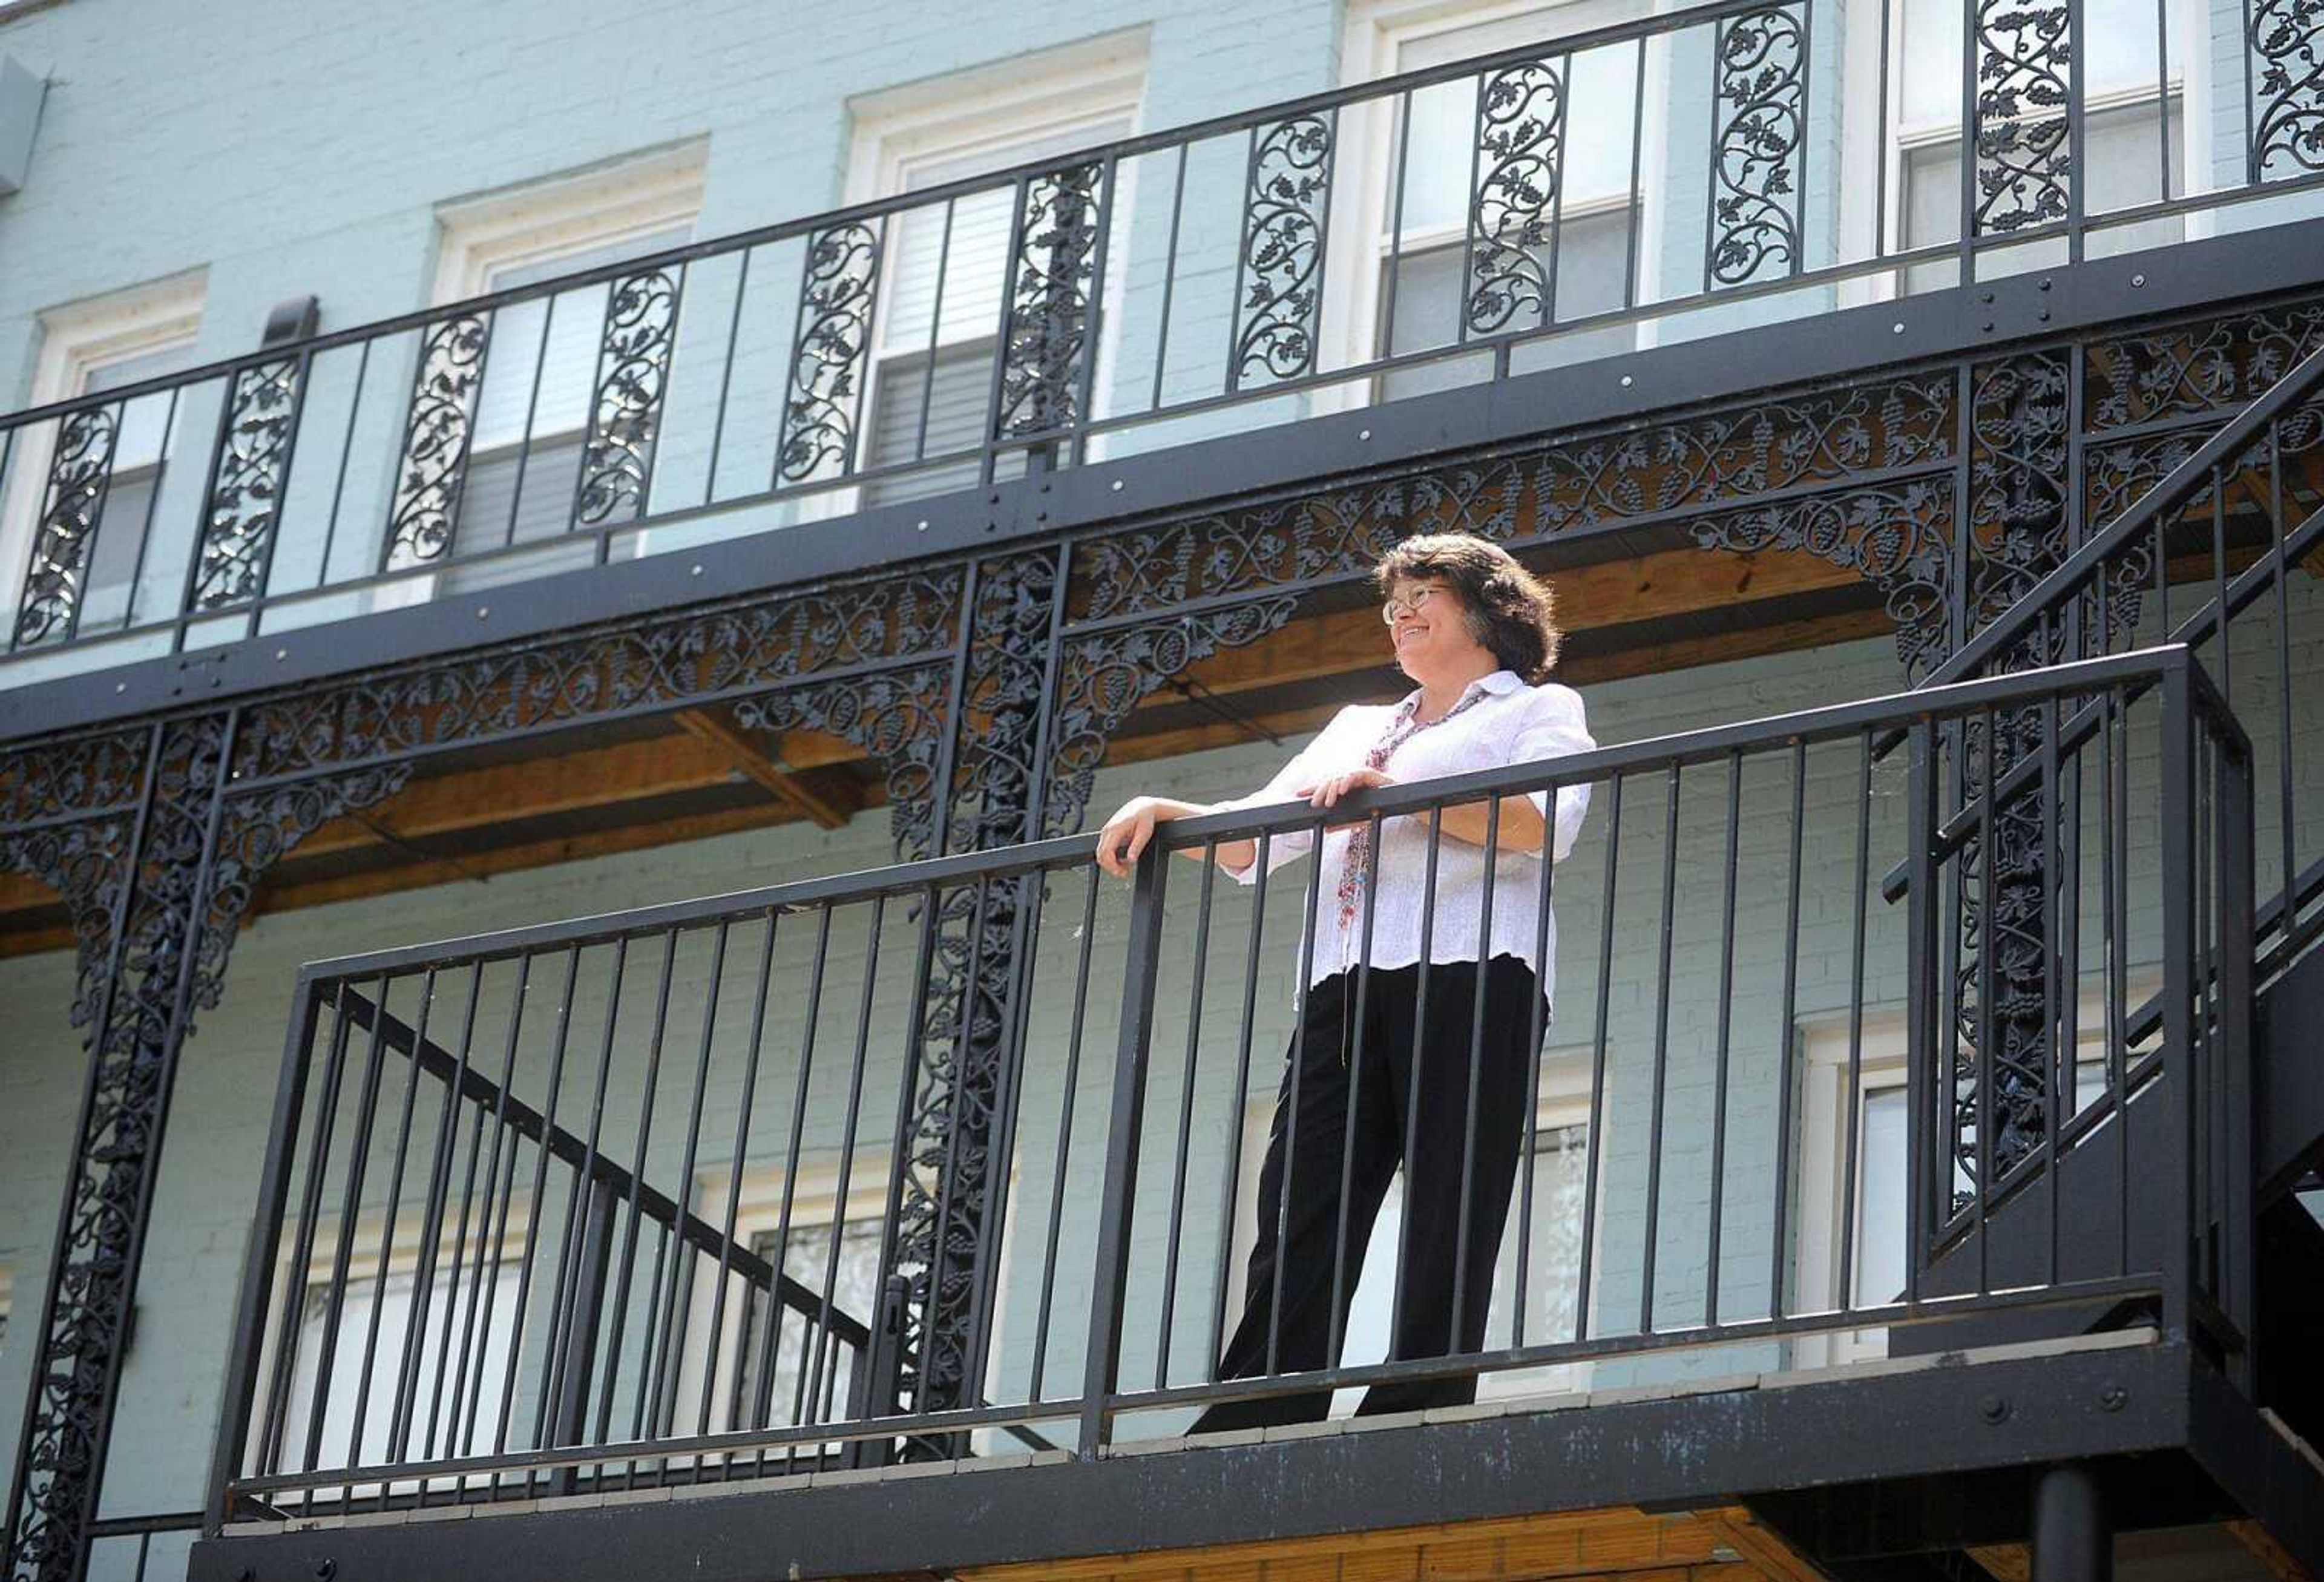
1508 609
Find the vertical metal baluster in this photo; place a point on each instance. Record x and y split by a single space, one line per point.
1988 862
1852 1096
1807 139
1631 216
666 1305
2219 577
431 1234
1597 1059
152 504
2113 878
1396 223
770 1342
2078 97
493 1228
1880 159
1031 903
297 1271
847 1142
1476 1073
1338 1322
935 324
1186 1114
1066 1134
387 1226
1469 207
1660 1084
1094 324
2280 572
1527 1167
1291 1114
429 1447
1240 1095
1965 240
1419 1048
532 405
633 1216
726 381
1710 156
358 1156
1169 286
574 1245
1925 999
1726 1020
533 1209
1242 257
219 441
2058 1062
1787 1036
994 417
753 1048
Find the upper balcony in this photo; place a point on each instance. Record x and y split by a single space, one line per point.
1559 202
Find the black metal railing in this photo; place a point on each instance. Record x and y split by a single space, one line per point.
616 1202
1436 227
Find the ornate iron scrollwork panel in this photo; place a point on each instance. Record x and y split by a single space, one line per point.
1047 339
80 469
1897 539
1286 210
1520 166
684 657
896 716
1760 146
1105 675
2021 144
2286 43
2197 368
632 379
830 352
436 435
246 484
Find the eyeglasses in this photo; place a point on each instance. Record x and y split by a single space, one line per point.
1407 606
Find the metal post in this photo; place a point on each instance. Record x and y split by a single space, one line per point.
1140 967
2072 1539
571 1426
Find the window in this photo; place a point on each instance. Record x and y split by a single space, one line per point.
827 1245
108 344
2135 125
930 382
1560 1166
532 415
1873 1206
1417 239
466 1315
7 1304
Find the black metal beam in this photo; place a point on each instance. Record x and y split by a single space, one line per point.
1672 1453
1821 348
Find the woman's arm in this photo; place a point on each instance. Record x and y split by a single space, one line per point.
1125 835
1522 826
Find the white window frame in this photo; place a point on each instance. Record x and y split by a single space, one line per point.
1901 138
1093 84
1564 1100
363 1268
1824 1045
1372 42
480 237
7 1304
77 340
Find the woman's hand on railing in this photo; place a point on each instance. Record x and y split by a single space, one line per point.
1125 835
1327 792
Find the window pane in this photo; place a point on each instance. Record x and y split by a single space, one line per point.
2118 52
143 421
798 1336
1592 254
568 366
957 401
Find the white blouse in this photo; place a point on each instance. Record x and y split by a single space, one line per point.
1511 723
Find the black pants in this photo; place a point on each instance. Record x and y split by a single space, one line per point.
1400 1115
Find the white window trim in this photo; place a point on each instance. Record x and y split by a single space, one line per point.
1824 1045
76 341
485 1237
7 1299
1375 33
478 237
1564 1100
1897 141
1091 83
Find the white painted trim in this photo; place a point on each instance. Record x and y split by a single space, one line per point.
77 340
988 110
1372 41
479 237
1824 1045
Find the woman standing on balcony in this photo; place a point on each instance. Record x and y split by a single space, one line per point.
1381 1068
